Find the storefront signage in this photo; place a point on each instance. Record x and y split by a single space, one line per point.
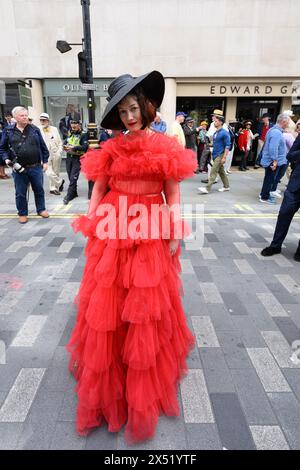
238 89
249 90
73 87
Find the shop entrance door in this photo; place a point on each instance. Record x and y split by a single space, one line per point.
254 109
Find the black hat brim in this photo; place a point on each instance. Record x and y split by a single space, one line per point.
153 84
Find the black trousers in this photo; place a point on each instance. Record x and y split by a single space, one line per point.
73 170
290 205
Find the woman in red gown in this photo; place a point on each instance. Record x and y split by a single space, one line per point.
130 342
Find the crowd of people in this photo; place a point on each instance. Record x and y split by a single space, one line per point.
214 145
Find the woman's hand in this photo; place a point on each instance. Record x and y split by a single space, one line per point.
173 246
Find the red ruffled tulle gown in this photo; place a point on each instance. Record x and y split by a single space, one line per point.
130 342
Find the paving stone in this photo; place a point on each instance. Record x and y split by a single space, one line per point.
208 253
269 438
29 331
46 303
202 437
248 331
68 293
243 248
243 266
30 258
287 409
268 371
76 252
9 435
210 293
57 241
253 398
280 348
65 247
271 304
281 293
234 304
220 317
205 333
242 233
288 283
293 378
169 435
187 267
216 372
65 437
101 439
211 238
195 399
20 398
203 274
289 329
9 265
234 350
232 425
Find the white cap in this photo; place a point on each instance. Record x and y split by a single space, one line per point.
45 116
288 113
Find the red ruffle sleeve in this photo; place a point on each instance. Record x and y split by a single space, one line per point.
140 154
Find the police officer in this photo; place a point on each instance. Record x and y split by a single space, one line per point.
76 144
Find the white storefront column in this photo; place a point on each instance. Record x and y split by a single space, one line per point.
168 106
286 104
37 101
231 109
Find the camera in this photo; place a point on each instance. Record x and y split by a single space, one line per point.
16 166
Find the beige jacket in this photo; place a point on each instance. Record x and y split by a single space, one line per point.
52 140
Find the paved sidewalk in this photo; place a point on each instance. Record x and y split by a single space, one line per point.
242 390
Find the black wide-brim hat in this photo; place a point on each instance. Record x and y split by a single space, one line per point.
153 85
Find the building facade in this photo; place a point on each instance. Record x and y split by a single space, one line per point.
237 56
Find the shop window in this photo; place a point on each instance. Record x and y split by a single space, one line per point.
200 108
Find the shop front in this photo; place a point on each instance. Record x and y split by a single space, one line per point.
239 99
66 97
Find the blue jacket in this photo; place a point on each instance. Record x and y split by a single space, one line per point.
294 158
5 153
274 148
160 127
221 142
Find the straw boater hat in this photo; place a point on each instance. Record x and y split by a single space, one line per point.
217 112
152 83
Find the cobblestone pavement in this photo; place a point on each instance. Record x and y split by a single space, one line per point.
242 390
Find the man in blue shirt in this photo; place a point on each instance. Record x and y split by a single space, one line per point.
158 125
273 156
221 146
290 205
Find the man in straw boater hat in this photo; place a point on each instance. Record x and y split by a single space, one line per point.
221 146
130 342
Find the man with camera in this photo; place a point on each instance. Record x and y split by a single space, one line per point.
22 147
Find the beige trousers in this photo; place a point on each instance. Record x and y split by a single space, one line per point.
217 169
53 172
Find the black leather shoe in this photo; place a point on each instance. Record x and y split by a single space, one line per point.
61 188
270 251
66 200
57 193
297 255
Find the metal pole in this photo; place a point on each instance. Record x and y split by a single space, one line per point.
87 45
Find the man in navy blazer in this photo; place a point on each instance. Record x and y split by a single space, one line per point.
290 204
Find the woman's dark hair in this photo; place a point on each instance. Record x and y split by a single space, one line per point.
148 109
